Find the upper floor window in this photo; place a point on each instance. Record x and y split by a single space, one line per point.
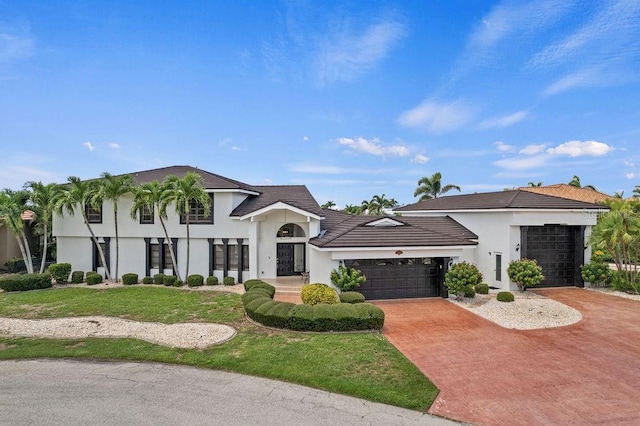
198 213
146 214
94 215
290 230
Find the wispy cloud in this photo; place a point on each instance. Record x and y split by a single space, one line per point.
344 54
438 117
522 163
587 77
503 147
533 149
15 47
504 121
419 159
114 145
89 146
315 168
374 147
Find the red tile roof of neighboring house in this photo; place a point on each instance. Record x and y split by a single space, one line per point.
563 190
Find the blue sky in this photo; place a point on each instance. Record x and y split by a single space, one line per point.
351 98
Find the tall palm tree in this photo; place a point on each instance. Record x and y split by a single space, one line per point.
352 209
111 188
431 187
380 202
618 194
12 205
79 194
534 184
575 182
185 192
154 196
43 200
365 206
329 204
636 191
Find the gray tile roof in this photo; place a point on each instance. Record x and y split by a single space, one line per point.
295 195
516 199
353 231
211 180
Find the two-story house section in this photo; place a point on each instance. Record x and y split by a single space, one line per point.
250 232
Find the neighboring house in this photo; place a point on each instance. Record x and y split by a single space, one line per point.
564 190
520 224
273 231
8 245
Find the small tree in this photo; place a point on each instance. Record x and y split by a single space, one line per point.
525 273
460 276
347 279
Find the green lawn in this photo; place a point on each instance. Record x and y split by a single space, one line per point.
364 365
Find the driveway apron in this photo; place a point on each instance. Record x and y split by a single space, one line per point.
585 373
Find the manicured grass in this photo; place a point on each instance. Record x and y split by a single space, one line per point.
364 365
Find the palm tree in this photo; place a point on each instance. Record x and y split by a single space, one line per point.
379 202
618 194
431 187
185 192
352 209
43 200
328 204
111 188
155 197
575 182
12 205
534 184
79 194
636 191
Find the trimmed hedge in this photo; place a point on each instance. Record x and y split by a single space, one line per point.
351 297
169 280
505 296
25 282
130 279
212 280
195 280
147 280
77 277
158 278
60 272
259 304
93 278
229 281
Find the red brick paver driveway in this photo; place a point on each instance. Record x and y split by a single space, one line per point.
586 373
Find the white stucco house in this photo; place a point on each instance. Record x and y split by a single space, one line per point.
271 231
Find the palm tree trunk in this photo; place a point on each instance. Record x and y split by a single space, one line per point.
28 251
115 221
188 243
27 260
44 248
170 243
100 252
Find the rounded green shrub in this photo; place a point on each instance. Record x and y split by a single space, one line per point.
249 284
60 272
469 291
147 280
255 294
347 279
459 276
212 280
505 296
195 280
312 294
482 288
158 279
229 281
351 297
178 283
596 273
130 279
93 278
77 277
169 280
525 273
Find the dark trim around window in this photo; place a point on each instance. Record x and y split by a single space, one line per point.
94 215
146 215
197 214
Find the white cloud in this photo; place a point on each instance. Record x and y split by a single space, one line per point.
305 138
344 56
504 121
522 163
579 149
374 147
503 147
437 117
631 175
420 159
533 149
114 145
15 47
235 148
225 141
89 146
587 77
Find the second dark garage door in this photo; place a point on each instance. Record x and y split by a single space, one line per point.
398 278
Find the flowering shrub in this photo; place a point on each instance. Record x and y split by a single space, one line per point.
347 279
525 273
460 276
313 294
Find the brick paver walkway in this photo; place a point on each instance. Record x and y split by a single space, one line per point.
586 373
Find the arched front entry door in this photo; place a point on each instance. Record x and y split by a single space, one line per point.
290 255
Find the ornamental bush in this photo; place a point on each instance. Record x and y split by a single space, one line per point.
195 280
60 272
505 296
93 278
158 279
229 281
178 283
469 291
25 282
351 297
77 277
169 280
459 276
130 279
212 280
525 273
312 294
147 280
596 273
482 288
347 279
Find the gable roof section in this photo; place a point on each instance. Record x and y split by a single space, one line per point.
354 231
211 180
571 192
515 199
297 196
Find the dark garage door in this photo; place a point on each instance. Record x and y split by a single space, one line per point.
558 249
398 278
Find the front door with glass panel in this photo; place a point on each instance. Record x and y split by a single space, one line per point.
291 258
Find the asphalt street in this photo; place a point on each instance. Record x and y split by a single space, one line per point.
66 392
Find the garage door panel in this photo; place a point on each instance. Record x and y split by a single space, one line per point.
554 247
